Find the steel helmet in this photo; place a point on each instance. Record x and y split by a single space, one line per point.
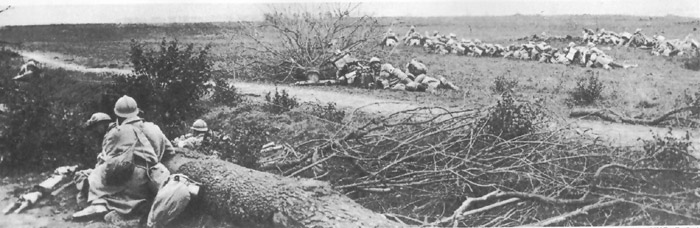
126 107
97 117
374 59
199 125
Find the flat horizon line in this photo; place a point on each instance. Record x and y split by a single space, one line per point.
380 17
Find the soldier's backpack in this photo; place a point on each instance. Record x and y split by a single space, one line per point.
172 199
416 68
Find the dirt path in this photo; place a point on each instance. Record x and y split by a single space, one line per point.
46 59
48 216
613 133
368 104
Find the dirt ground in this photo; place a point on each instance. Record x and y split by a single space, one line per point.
52 212
49 212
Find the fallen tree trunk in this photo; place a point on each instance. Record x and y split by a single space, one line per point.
612 116
254 198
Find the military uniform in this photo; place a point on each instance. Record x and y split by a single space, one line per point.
148 174
28 71
393 78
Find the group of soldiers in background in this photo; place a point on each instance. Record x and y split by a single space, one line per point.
658 44
587 56
538 49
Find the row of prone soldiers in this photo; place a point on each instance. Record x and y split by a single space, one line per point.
658 44
587 56
385 76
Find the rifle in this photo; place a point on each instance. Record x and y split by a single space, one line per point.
44 188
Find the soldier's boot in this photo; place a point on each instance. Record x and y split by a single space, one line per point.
447 84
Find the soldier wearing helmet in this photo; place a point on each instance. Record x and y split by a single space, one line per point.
100 122
28 71
388 77
425 82
131 170
200 133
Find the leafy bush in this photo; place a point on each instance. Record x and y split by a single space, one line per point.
328 112
167 84
244 131
42 123
502 84
693 61
588 90
225 93
510 119
280 102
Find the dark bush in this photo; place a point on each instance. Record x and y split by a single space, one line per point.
502 84
510 119
588 90
167 83
243 132
328 112
225 94
280 102
42 126
692 62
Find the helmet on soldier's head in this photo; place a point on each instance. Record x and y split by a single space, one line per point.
199 125
387 67
453 35
435 32
96 118
637 30
590 44
571 44
374 60
126 107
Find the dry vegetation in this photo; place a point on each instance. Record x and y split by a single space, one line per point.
497 163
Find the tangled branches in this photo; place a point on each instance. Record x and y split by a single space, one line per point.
298 37
418 165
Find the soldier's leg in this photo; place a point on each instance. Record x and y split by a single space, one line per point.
399 86
420 78
444 83
412 86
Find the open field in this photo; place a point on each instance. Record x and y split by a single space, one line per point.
402 165
658 80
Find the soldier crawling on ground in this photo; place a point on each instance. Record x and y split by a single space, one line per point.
431 84
389 77
389 39
29 71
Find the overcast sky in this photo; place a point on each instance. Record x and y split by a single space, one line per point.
26 12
